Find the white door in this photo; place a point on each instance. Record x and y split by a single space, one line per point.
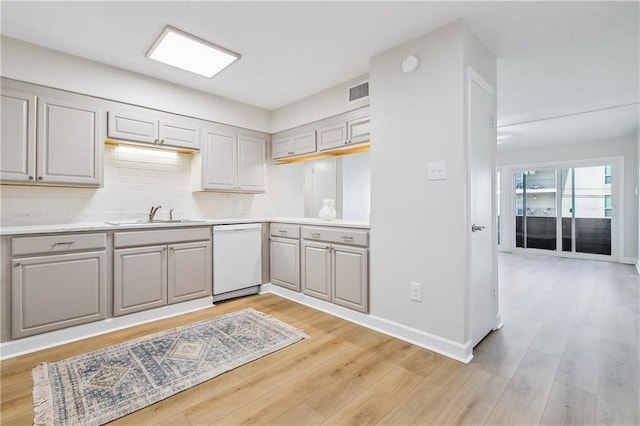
483 304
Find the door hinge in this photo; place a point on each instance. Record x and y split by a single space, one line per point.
492 122
493 294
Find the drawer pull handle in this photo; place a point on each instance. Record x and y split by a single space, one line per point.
347 238
283 232
315 235
63 243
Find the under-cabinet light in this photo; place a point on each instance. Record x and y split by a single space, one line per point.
188 52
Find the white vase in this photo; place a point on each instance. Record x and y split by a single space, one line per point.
328 210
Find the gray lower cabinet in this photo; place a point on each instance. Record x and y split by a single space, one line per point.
163 272
189 271
57 288
139 279
285 262
338 273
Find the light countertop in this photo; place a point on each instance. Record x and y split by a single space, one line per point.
103 226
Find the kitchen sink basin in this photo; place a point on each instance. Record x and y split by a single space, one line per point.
154 222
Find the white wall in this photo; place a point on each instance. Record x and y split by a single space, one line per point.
135 181
418 227
627 148
327 103
35 64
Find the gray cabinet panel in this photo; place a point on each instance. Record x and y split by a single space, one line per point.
132 126
251 163
285 262
139 279
350 277
58 291
18 137
189 269
316 270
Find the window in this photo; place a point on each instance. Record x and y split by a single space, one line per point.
607 205
607 174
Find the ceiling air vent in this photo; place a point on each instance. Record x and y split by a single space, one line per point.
359 92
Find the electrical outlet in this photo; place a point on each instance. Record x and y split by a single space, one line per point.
415 292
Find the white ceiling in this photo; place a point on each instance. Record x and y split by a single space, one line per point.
567 71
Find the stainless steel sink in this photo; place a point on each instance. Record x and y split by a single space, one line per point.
145 222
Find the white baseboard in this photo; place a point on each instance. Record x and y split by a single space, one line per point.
638 266
446 347
629 260
30 344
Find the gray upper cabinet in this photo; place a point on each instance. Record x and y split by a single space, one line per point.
292 143
330 134
231 160
50 137
151 127
346 129
18 160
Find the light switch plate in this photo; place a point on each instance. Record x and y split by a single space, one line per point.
437 170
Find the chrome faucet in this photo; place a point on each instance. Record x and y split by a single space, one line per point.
153 212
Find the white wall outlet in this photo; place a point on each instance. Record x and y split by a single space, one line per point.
415 292
437 170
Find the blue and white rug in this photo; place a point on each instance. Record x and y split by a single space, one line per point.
100 386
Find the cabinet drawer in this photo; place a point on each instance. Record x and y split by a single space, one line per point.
336 235
166 236
285 230
57 243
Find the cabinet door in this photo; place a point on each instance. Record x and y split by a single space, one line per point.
251 164
281 147
182 134
304 143
69 149
351 278
139 279
220 160
332 136
18 118
189 269
359 130
132 127
285 262
316 270
58 291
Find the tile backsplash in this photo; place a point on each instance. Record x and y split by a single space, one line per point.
136 179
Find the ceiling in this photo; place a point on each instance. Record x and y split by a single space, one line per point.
567 71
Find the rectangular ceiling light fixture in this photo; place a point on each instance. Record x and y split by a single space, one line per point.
191 53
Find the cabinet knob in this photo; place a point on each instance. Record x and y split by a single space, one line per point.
155 142
30 177
40 178
161 141
15 265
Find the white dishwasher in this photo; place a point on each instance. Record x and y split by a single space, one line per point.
237 260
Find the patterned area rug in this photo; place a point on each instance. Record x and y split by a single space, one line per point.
100 386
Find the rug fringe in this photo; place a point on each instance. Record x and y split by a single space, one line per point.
42 396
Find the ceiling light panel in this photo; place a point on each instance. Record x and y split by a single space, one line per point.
190 53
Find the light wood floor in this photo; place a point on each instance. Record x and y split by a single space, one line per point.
567 354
